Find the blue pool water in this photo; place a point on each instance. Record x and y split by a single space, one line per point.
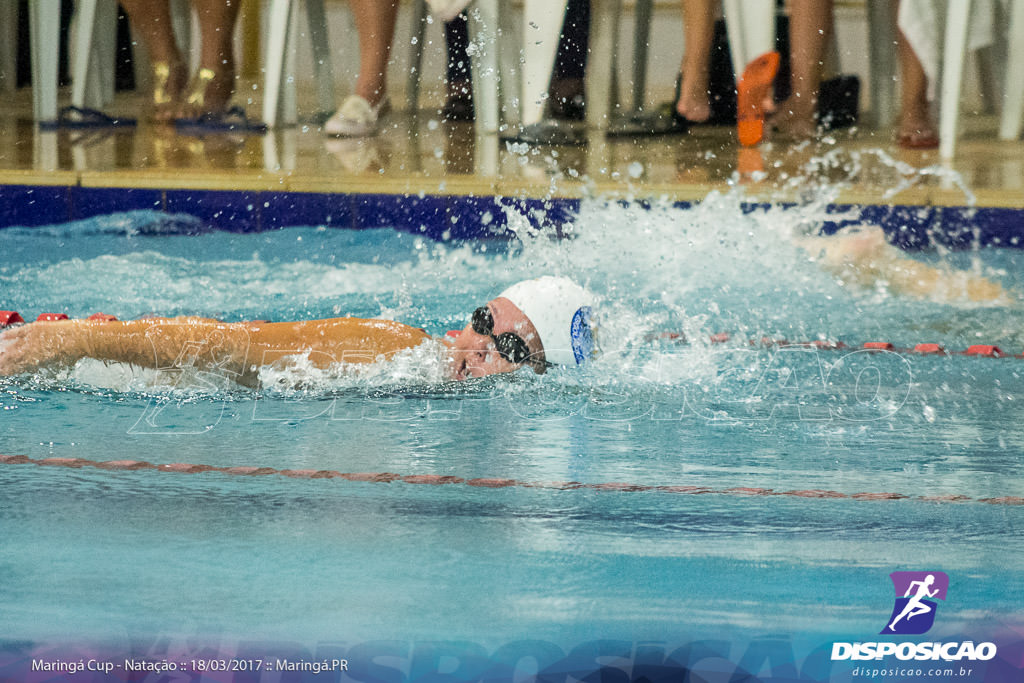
115 556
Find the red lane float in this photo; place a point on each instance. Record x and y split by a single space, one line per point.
496 483
104 317
50 317
8 318
986 350
929 348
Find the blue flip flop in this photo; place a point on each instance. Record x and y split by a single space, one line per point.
79 118
233 120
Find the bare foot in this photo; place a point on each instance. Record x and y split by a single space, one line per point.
794 120
916 131
693 104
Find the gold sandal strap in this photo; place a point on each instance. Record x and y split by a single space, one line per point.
197 93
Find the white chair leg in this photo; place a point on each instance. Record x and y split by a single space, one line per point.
1013 92
954 48
323 68
601 96
289 110
106 55
91 71
751 29
882 60
181 20
542 26
8 45
278 25
485 70
419 33
44 26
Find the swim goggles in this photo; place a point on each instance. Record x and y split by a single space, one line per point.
509 345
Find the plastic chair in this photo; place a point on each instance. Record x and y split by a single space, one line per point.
92 83
279 83
44 34
484 25
750 24
751 29
8 45
954 50
1012 119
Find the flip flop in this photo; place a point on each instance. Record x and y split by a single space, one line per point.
548 132
753 89
79 118
661 121
233 120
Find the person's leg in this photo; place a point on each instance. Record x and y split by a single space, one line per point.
915 128
698 33
151 22
215 81
375 22
810 27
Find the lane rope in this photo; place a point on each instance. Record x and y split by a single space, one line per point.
487 482
11 318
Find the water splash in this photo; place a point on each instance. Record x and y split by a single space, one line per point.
718 266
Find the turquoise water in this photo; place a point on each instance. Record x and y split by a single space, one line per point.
89 553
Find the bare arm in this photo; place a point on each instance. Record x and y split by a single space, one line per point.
863 256
237 349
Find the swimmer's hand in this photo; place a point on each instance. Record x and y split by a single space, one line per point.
29 347
863 256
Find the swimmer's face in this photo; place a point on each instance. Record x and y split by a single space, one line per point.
475 355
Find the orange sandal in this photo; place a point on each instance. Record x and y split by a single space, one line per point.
753 89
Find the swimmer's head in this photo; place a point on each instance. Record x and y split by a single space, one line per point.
561 311
541 322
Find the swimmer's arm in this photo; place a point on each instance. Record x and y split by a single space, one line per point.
150 343
237 349
863 256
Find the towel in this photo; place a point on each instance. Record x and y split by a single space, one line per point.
920 21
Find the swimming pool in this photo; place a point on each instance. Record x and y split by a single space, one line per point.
667 539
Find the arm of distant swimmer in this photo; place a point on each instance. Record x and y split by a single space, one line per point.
865 257
237 349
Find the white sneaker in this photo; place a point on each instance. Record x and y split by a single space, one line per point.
356 118
446 10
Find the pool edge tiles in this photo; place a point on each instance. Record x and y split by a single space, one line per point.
461 216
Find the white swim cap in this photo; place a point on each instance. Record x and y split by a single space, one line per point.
561 312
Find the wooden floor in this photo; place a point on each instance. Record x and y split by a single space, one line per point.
423 154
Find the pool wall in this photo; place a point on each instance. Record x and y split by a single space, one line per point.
455 216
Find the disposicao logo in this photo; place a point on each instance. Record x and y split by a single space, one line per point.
913 614
914 611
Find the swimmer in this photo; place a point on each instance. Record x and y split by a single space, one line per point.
536 323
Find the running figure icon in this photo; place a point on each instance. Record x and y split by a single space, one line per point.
915 597
915 607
